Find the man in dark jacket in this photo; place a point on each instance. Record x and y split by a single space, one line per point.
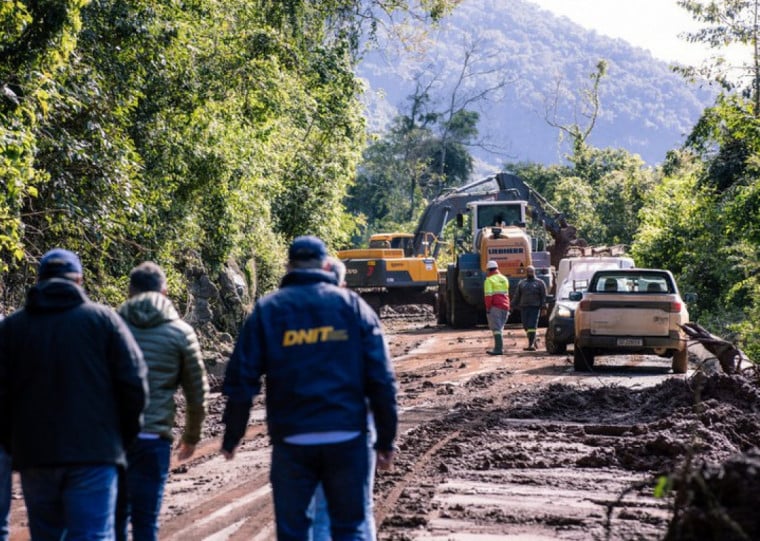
530 298
6 488
173 356
72 391
323 353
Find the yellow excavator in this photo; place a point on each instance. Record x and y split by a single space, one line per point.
392 271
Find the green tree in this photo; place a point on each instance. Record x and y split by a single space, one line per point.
590 111
729 22
423 153
605 202
36 41
743 253
726 137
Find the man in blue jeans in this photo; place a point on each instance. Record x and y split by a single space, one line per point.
173 356
530 298
5 488
72 391
5 492
320 529
323 354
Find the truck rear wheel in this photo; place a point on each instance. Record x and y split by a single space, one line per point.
583 359
680 361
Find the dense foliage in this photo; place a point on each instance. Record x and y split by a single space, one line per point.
203 132
703 220
193 131
423 153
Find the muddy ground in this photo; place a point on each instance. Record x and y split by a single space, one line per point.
516 447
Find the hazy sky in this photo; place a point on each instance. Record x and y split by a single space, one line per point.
650 24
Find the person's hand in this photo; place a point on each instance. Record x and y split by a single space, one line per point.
385 460
185 450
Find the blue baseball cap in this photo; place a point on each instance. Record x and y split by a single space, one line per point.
57 263
307 247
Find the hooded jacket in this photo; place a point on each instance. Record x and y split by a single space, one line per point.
72 380
531 293
173 355
322 351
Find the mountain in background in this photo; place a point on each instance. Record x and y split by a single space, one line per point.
533 66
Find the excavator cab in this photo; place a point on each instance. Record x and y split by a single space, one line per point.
500 214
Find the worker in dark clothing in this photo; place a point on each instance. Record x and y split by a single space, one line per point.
6 491
530 298
322 351
72 390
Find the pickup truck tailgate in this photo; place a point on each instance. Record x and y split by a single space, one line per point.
639 316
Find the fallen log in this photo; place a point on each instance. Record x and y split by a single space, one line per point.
728 355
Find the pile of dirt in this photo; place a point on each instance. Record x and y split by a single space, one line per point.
407 311
702 430
718 502
703 419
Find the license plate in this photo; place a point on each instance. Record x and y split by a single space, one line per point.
630 342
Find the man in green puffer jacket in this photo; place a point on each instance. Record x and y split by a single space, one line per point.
173 356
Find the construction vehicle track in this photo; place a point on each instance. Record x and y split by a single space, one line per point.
518 446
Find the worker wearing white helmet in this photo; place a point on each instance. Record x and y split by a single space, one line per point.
496 293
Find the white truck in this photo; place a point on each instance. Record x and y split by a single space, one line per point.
573 274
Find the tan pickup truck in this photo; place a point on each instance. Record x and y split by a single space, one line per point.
626 311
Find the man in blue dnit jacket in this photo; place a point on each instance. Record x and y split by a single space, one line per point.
324 356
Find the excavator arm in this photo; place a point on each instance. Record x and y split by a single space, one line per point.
499 187
445 208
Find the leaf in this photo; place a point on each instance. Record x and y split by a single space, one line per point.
663 486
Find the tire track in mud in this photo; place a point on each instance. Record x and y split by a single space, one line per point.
230 508
391 498
212 498
498 477
243 510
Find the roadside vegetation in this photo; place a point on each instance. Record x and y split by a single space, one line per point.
205 133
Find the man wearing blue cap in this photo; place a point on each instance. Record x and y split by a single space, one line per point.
6 487
72 390
324 356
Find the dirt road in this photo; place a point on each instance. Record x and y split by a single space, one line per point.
515 447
